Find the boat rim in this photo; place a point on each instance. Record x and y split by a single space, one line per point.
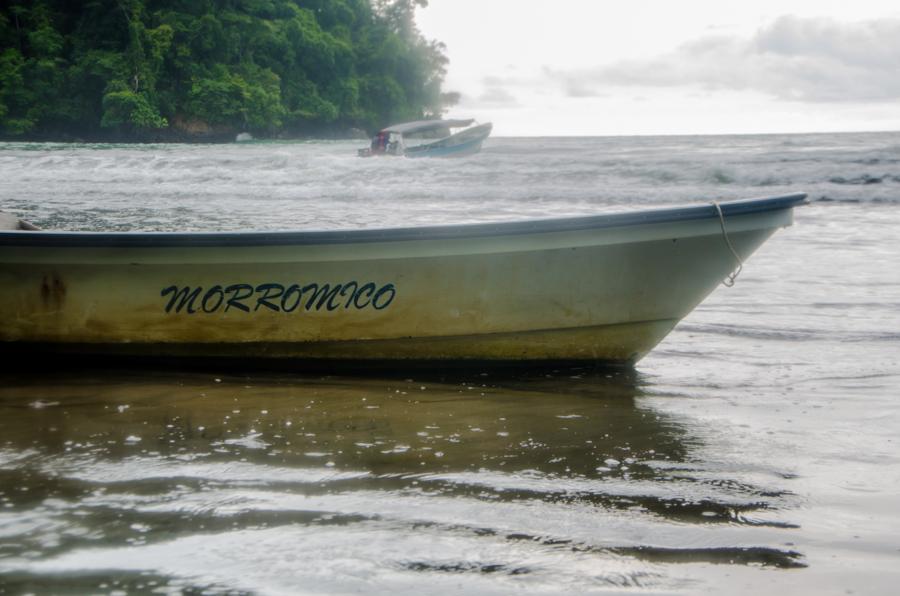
661 215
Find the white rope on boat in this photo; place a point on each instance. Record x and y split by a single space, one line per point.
729 281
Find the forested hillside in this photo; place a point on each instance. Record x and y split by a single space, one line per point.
205 69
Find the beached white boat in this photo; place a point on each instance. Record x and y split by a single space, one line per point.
596 289
429 138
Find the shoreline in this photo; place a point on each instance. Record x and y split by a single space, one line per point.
360 135
186 138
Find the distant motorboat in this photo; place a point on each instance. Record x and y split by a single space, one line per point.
595 289
439 140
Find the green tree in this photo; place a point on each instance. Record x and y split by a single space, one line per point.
125 108
138 68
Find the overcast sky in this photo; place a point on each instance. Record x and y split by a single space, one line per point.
589 67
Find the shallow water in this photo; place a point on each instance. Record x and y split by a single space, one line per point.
756 448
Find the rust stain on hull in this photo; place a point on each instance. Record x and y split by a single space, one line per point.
53 292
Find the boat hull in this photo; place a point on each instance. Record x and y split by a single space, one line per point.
599 290
467 142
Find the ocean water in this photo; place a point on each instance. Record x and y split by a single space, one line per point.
757 448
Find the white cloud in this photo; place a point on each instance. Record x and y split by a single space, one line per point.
803 59
581 67
497 96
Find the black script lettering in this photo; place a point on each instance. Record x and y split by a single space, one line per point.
276 297
287 295
383 291
238 295
344 292
370 288
325 294
267 294
184 297
215 291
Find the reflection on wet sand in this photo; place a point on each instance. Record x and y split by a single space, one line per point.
543 479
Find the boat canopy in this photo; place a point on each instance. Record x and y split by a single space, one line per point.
407 128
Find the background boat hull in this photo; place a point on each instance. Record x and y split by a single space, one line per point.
467 142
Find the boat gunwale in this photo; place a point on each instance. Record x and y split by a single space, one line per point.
416 126
708 210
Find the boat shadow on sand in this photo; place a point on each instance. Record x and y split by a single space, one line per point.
575 461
